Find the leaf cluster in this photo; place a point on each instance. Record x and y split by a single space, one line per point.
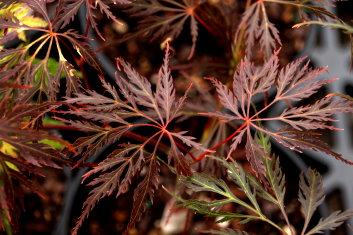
144 121
310 196
291 84
29 65
23 152
135 106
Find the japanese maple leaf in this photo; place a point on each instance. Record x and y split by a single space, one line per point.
21 67
258 27
137 105
292 83
255 24
166 18
23 151
68 10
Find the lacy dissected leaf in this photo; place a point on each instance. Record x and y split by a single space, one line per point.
13 181
180 163
258 27
131 103
138 91
254 154
29 112
98 137
67 11
226 97
331 222
41 76
83 49
205 183
292 83
276 180
295 83
315 116
294 139
212 209
250 80
311 194
208 208
17 12
73 83
165 91
25 141
22 152
188 140
39 6
165 19
130 159
145 191
240 178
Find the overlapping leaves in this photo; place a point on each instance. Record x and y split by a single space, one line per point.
67 10
23 151
20 67
292 83
165 19
21 12
311 195
114 115
132 103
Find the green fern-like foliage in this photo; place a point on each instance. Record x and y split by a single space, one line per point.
311 195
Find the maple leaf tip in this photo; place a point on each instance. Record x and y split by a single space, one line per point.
276 52
101 36
118 60
83 179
